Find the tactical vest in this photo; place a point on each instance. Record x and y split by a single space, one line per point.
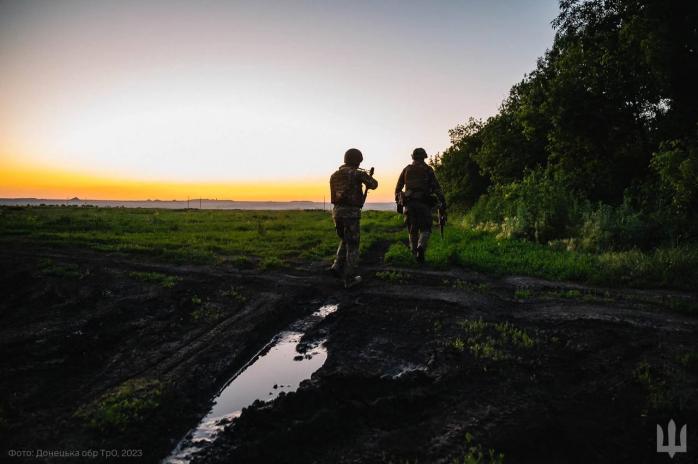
345 187
417 178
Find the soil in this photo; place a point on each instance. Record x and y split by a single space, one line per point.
423 365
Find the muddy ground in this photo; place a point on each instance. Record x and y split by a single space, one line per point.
110 352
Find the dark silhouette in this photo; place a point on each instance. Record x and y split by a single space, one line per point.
348 197
422 194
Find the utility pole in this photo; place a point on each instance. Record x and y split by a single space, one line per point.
199 201
187 201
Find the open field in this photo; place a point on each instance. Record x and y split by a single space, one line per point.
264 239
118 327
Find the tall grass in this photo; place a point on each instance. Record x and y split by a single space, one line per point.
487 252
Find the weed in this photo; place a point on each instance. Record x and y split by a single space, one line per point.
395 277
69 270
438 326
657 397
458 344
517 337
487 340
122 407
523 294
571 294
166 281
474 454
235 294
207 313
271 262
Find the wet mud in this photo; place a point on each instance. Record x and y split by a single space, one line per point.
103 352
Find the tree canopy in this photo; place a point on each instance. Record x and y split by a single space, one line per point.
610 111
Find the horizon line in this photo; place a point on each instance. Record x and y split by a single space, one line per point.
173 200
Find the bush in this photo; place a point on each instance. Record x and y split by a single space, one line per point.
540 207
609 228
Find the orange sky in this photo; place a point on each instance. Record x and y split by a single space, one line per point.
37 182
165 99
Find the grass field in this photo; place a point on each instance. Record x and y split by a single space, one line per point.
264 239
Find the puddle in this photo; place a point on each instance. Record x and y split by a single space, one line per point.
278 367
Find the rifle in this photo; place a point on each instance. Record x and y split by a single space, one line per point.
442 220
370 173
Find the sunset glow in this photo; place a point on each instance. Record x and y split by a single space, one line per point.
136 100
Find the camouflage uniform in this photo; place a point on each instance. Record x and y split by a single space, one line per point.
422 193
347 196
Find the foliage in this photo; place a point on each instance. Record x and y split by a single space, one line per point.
223 237
493 341
124 406
48 267
655 387
474 454
167 281
676 164
399 254
598 143
459 174
235 294
393 276
539 207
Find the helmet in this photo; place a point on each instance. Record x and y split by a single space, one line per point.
353 157
419 153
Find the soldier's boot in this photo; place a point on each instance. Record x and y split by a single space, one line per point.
422 246
420 255
414 242
340 260
352 281
335 270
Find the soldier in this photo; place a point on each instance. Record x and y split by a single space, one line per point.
346 186
422 193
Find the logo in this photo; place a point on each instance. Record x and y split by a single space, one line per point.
671 447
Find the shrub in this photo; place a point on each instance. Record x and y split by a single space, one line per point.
540 207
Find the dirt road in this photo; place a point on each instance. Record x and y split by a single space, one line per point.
108 352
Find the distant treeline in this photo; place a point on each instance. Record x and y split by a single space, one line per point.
597 148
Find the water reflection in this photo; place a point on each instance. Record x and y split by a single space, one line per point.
279 367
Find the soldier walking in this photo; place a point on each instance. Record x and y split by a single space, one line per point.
346 186
422 194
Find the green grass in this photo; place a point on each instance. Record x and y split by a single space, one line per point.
483 251
493 341
395 277
68 270
167 281
523 294
474 454
274 239
123 407
657 396
267 239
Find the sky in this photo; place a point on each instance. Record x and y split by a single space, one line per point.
258 100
